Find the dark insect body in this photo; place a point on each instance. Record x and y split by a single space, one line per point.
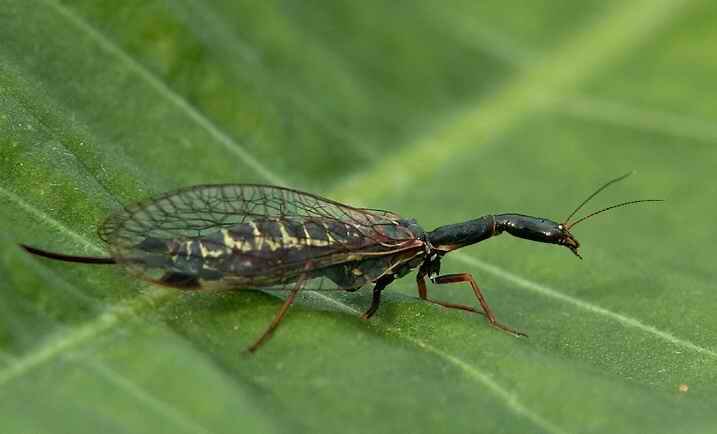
247 236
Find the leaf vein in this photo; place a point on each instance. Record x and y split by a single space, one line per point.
163 89
59 227
598 310
511 400
143 395
680 126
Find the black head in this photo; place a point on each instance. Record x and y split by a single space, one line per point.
548 231
537 229
450 237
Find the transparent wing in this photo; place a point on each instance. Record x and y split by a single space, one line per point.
254 236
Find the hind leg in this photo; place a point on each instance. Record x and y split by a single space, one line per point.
281 312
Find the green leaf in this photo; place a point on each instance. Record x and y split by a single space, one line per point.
438 111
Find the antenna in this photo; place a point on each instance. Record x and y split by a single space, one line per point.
603 187
631 202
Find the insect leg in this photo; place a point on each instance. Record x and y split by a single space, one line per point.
282 311
381 284
423 293
467 277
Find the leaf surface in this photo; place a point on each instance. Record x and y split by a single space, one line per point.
435 112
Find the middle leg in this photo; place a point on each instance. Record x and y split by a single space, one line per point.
381 284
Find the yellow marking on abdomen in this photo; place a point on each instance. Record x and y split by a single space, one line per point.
288 240
234 244
229 241
330 239
206 253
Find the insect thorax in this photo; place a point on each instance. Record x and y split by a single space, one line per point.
428 255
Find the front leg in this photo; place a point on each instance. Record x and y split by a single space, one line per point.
457 278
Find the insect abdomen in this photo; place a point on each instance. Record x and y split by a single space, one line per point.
248 249
274 235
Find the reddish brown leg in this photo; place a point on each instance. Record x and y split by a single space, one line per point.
423 293
457 278
279 314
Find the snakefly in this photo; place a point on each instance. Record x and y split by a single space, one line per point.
249 236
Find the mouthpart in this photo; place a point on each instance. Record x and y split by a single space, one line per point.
571 243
